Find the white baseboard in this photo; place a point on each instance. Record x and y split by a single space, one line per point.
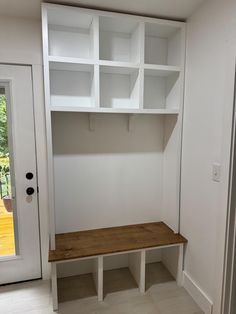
199 296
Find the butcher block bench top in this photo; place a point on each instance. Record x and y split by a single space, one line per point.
89 243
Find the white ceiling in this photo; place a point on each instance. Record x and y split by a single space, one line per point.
175 9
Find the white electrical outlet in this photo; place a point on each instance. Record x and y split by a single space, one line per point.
216 172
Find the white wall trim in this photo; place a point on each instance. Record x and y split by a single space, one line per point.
199 296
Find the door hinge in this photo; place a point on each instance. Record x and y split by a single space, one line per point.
37 189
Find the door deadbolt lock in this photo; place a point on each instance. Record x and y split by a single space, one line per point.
29 175
30 191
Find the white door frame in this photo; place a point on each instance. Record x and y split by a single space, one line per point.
229 284
41 155
26 264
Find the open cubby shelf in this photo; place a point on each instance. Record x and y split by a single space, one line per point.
113 102
114 44
137 243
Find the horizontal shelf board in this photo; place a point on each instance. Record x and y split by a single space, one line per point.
138 18
118 64
113 240
70 60
60 66
161 70
113 110
117 69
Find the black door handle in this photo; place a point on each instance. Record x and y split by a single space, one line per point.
30 191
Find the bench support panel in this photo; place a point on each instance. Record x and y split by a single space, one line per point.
54 286
98 276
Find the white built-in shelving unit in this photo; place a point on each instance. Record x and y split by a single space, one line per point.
114 104
107 62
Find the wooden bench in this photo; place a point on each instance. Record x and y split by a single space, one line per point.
110 241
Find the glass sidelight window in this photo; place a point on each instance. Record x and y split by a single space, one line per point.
7 212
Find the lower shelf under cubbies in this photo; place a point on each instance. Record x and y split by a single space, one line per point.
118 280
136 241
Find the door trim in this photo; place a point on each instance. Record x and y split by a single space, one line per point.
230 237
8 84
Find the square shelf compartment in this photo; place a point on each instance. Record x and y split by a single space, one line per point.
162 45
155 271
120 272
70 33
119 87
161 89
76 280
119 39
72 85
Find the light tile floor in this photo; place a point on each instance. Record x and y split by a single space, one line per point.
164 297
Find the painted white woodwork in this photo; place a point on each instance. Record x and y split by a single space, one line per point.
120 39
119 87
161 91
135 260
72 84
137 268
98 276
54 286
71 34
115 110
136 61
114 96
162 44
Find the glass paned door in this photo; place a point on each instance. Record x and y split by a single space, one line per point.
20 257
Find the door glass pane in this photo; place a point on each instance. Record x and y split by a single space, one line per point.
7 233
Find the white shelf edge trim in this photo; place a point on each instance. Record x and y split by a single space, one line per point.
113 110
166 68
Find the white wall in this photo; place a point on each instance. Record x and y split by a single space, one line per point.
211 52
20 43
111 174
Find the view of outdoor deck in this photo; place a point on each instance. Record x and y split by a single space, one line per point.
7 239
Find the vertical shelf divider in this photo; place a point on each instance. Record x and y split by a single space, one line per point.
51 205
98 276
96 61
141 69
137 268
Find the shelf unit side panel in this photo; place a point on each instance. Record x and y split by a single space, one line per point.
51 204
173 153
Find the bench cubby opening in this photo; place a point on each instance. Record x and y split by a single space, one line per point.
155 270
120 272
79 279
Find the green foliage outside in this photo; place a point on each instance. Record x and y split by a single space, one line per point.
4 151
